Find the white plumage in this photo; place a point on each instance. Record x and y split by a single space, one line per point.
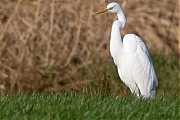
131 56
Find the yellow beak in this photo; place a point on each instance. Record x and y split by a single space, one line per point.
101 11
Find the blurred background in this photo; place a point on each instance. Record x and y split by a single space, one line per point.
58 45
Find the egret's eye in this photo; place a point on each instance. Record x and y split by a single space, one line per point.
111 8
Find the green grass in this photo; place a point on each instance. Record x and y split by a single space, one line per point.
101 105
86 107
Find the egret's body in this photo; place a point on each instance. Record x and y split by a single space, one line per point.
131 56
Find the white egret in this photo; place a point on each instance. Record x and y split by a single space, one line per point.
131 56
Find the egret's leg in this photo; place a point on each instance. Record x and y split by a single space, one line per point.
134 88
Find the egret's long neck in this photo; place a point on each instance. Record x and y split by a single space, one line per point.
116 43
122 18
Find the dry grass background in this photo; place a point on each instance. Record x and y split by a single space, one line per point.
58 45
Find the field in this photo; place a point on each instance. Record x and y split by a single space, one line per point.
54 47
86 107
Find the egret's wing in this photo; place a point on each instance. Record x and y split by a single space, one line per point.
139 63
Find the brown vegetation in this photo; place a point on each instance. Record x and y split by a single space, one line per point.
58 45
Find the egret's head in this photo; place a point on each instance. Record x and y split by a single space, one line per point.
111 8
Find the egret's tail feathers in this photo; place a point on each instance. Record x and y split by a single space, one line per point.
152 94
